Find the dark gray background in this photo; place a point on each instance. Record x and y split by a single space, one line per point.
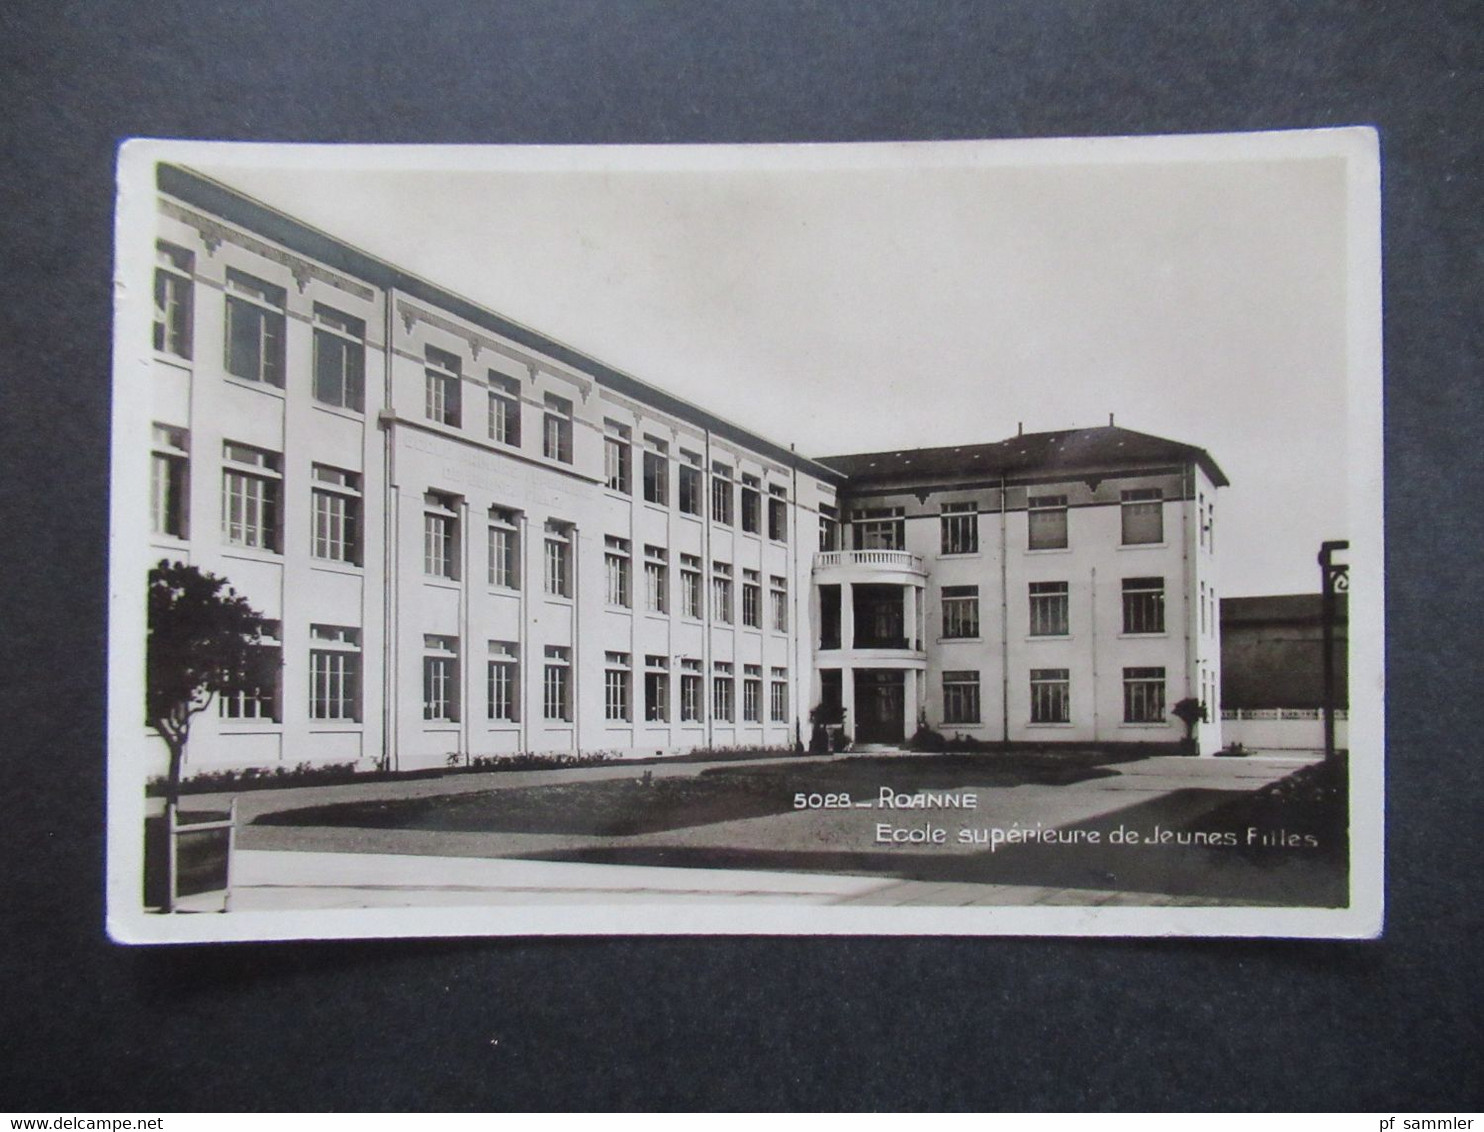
725 1023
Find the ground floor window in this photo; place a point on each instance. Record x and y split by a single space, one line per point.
752 693
556 685
656 689
440 678
259 699
616 686
502 680
1143 695
690 691
335 672
723 709
778 696
960 697
1051 695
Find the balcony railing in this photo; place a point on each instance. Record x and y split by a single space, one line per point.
891 559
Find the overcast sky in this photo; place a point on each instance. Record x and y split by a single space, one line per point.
847 299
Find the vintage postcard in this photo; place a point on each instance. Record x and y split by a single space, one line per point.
962 537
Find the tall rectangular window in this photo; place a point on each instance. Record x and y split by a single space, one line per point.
656 471
752 693
616 457
254 337
1049 613
617 570
829 528
504 409
440 678
502 681
556 684
1051 695
443 385
336 536
879 528
259 699
778 513
752 599
960 528
657 689
690 586
616 686
504 549
961 697
723 709
335 672
440 535
1143 605
778 696
173 291
558 559
168 478
721 493
252 491
556 429
1046 519
752 504
339 359
690 483
960 611
778 590
1143 516
690 691
656 580
1143 695
721 592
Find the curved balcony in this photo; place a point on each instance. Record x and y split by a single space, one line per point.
868 564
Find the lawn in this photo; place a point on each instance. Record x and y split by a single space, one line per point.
628 806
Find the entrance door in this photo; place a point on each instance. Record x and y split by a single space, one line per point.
879 704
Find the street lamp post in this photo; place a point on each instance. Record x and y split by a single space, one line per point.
1334 581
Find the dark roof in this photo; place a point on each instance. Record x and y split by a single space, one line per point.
1275 608
1071 450
231 205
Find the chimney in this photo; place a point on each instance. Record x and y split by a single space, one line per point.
1019 428
1110 420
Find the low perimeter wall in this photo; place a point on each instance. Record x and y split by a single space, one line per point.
1281 729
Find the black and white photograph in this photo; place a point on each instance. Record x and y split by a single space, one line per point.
912 538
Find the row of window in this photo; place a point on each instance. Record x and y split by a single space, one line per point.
1051 696
732 503
884 528
1050 608
335 684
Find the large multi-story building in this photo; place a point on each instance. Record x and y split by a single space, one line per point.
471 540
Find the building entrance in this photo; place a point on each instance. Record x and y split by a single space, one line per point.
880 703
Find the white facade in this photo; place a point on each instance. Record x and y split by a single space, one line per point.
475 542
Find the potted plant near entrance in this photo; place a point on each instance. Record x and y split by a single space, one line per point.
827 729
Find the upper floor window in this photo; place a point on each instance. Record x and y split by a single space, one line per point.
504 405
960 523
336 534
656 471
168 479
778 591
440 535
829 528
752 505
721 494
504 549
173 290
252 494
752 599
880 528
1143 516
443 387
558 559
690 586
721 592
1144 605
339 359
616 457
617 568
690 483
255 324
778 513
1049 609
1046 518
960 611
556 429
656 580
